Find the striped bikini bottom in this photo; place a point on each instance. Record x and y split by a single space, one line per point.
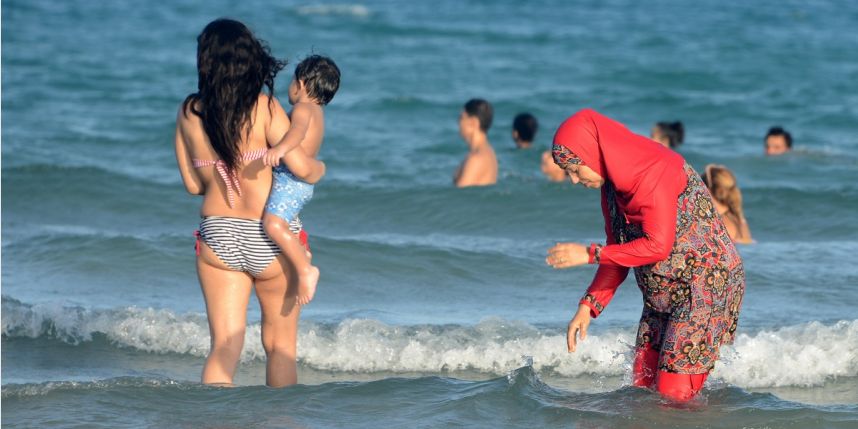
239 243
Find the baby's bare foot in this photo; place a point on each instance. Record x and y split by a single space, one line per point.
307 285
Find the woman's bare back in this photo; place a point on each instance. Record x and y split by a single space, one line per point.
269 123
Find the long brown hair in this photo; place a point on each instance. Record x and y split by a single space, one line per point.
233 66
724 188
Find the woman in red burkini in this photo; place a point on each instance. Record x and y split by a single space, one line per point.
659 220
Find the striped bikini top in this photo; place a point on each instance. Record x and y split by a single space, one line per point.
230 178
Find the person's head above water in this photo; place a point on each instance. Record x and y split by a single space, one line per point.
318 77
476 116
669 134
524 128
722 184
778 141
232 66
727 197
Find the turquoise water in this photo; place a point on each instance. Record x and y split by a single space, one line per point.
435 308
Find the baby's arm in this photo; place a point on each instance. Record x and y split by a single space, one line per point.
289 149
301 115
302 166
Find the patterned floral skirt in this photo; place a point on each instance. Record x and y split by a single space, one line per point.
692 298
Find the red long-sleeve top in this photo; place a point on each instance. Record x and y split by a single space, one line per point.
647 177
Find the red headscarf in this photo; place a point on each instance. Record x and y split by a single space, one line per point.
647 176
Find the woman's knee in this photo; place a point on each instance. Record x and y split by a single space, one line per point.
279 347
279 338
228 343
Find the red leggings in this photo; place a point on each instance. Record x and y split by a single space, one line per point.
677 387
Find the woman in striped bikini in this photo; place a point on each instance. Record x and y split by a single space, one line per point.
222 132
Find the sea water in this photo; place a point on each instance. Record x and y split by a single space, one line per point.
435 307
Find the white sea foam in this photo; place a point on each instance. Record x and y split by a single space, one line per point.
334 9
40 389
801 355
492 346
144 329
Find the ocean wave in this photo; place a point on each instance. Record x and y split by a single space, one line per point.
48 240
150 330
453 242
84 172
41 389
802 355
357 10
518 399
43 233
91 255
89 193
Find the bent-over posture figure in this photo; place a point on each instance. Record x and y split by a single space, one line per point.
659 220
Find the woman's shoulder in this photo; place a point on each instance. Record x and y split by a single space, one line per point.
269 108
268 101
188 109
264 99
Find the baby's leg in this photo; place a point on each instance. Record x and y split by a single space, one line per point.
308 275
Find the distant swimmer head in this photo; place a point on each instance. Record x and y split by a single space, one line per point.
477 115
669 134
316 76
778 141
233 66
524 128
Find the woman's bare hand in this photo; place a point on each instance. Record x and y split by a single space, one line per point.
578 327
565 255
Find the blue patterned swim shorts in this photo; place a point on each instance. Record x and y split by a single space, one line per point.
288 194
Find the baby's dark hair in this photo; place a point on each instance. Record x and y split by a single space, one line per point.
526 126
482 110
674 131
779 131
321 77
